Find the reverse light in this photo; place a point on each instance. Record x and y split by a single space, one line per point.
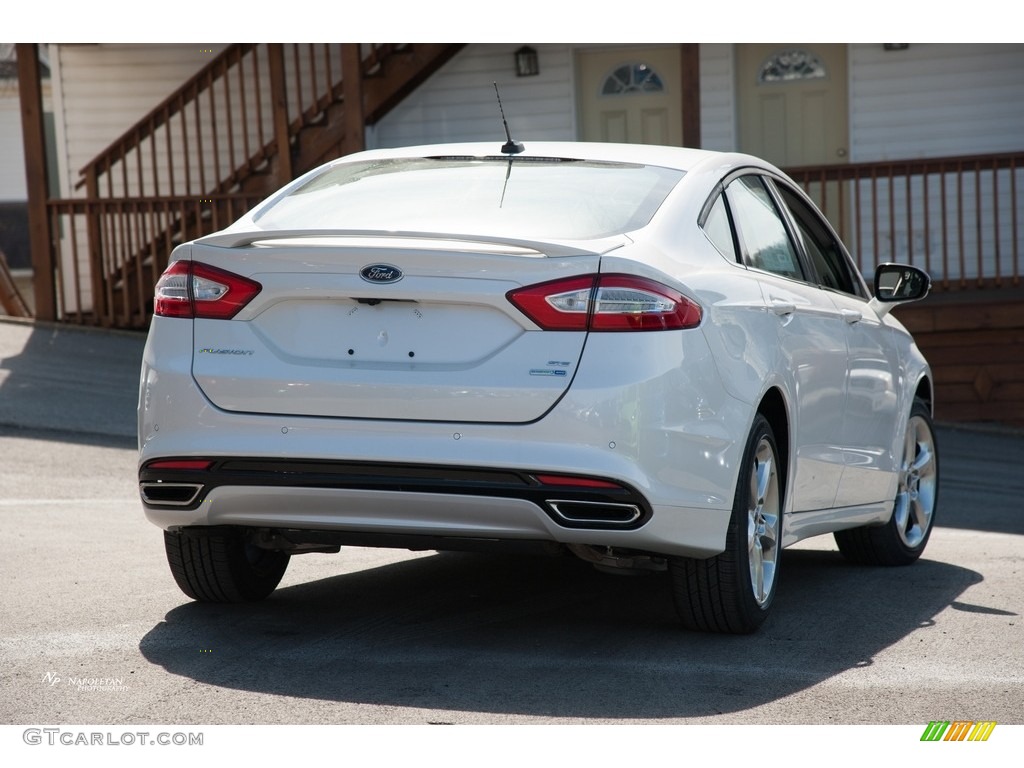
192 289
606 303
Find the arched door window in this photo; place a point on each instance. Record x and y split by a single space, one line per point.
632 78
792 64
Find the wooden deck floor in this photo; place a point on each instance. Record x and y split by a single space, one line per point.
974 341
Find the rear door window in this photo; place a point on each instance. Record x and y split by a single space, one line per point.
763 236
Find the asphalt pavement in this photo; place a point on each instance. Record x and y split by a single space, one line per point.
80 381
393 637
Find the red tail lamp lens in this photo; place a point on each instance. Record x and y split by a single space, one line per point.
606 303
192 289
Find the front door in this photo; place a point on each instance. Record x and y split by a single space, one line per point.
793 103
631 94
793 112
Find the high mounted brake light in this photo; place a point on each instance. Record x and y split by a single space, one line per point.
192 289
606 303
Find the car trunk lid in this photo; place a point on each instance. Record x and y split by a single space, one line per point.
388 327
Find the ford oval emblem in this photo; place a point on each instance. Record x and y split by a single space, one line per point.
380 273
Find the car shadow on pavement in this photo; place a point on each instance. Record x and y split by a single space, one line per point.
70 384
547 637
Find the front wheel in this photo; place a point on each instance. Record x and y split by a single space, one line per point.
732 592
902 540
223 568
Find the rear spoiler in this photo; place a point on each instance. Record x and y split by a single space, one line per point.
556 248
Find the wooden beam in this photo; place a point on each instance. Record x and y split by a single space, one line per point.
279 102
404 72
352 87
690 57
34 141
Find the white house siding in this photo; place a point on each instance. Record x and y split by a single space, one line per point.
13 188
458 103
940 100
12 155
102 90
99 92
935 100
13 185
717 97
929 100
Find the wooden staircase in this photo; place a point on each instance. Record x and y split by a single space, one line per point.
248 122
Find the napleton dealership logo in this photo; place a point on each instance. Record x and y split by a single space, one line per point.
958 730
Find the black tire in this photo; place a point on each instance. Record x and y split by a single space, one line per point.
733 591
902 540
223 568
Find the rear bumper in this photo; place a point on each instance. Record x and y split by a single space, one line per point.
657 423
305 514
569 501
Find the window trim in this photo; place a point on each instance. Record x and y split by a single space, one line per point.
794 228
743 250
773 180
718 193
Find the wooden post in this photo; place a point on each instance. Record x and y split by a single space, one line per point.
279 103
102 309
352 87
34 141
690 57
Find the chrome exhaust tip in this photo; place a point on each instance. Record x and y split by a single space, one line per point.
170 494
595 512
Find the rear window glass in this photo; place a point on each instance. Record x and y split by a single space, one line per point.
528 198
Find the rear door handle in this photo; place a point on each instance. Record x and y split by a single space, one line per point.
782 308
851 316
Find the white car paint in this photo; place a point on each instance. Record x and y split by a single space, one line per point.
447 372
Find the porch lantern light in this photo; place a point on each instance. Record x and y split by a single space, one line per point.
526 62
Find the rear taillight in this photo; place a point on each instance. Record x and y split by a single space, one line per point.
606 303
194 289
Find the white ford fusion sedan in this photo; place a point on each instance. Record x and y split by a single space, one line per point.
653 358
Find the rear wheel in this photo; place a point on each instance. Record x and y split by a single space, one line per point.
223 568
902 540
732 592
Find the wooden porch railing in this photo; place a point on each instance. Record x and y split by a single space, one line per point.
231 118
210 151
114 286
249 121
961 219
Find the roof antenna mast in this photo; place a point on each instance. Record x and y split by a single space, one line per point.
510 147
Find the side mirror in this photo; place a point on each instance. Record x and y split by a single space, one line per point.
898 283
